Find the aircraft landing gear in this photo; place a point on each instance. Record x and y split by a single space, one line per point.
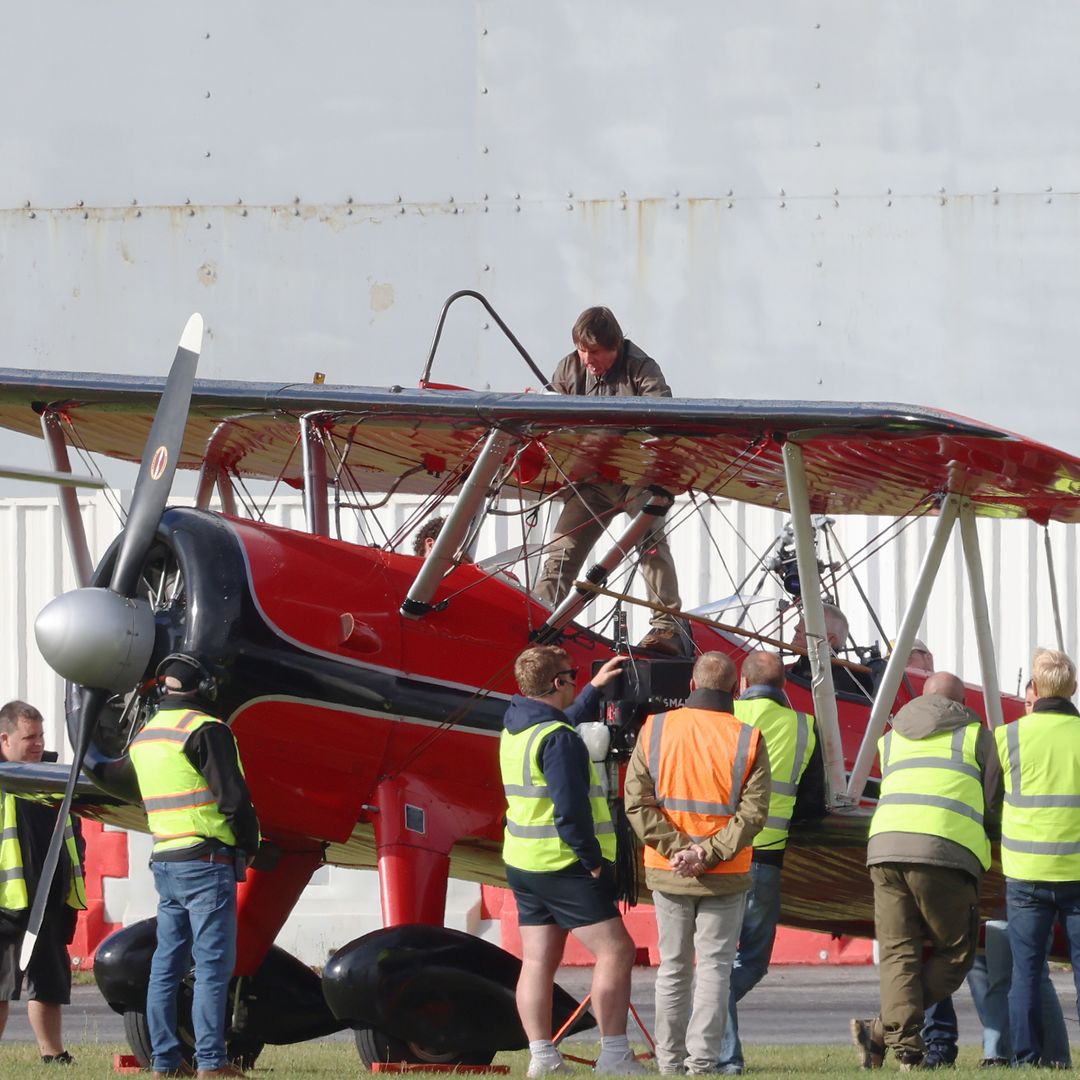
280 1003
420 993
373 1046
240 1051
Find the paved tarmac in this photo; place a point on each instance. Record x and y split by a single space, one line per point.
793 1004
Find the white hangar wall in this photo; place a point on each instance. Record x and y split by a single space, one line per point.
340 904
827 200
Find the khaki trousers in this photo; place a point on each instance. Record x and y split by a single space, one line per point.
914 906
706 927
584 517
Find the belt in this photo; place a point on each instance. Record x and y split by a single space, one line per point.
225 860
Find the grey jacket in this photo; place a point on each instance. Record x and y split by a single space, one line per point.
928 715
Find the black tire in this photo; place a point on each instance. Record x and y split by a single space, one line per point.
373 1046
241 1052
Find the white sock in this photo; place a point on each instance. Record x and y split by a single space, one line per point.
544 1050
614 1046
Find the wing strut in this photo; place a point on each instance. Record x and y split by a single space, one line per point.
817 641
894 670
969 536
74 530
1053 588
458 521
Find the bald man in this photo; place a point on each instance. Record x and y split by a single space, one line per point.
697 793
796 793
928 849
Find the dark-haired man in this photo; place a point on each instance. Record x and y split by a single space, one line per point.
205 832
25 833
605 364
559 850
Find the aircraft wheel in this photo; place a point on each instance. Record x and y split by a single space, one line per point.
373 1046
241 1052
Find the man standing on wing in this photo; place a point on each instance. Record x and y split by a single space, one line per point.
697 793
205 833
559 850
605 364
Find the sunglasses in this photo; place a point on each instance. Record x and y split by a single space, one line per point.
572 673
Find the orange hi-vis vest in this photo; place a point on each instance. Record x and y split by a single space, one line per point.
699 760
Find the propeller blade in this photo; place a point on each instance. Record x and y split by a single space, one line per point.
159 461
92 704
147 504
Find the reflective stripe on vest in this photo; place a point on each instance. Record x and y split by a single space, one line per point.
180 808
699 760
531 839
790 740
13 892
933 787
1040 826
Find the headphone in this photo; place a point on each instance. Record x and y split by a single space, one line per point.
207 687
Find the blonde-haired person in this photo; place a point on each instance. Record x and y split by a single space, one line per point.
1040 841
559 851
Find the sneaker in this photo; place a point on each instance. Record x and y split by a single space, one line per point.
623 1065
994 1063
936 1060
538 1067
910 1060
732 1069
662 640
869 1039
63 1058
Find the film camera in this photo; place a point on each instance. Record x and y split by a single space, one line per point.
642 688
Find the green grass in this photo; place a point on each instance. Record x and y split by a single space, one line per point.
331 1060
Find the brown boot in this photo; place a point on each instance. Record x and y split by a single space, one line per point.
869 1039
224 1070
662 640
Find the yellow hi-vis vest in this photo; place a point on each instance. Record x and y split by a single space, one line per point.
180 808
933 786
1040 821
13 892
530 839
790 740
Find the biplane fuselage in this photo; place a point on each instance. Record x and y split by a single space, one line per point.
374 737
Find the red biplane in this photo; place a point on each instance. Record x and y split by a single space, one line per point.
366 686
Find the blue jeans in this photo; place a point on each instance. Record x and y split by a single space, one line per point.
196 920
989 981
755 948
940 1030
1033 907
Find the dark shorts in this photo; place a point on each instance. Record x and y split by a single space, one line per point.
567 898
49 976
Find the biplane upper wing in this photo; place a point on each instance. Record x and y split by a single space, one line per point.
861 458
